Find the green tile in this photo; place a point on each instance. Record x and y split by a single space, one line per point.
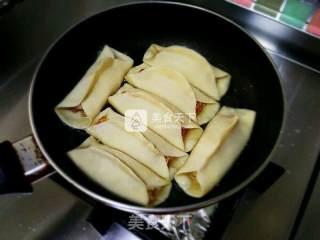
296 13
269 7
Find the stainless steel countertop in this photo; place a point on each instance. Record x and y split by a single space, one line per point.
51 211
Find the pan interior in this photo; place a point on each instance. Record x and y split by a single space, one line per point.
131 29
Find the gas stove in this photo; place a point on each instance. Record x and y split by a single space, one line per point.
280 204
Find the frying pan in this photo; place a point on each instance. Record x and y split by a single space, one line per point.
131 29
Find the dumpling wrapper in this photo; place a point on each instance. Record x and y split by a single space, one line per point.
223 80
158 189
166 148
208 111
174 164
190 131
194 67
162 145
175 158
130 98
220 145
87 98
173 87
110 131
109 172
166 83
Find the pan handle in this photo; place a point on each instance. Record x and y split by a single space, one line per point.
21 164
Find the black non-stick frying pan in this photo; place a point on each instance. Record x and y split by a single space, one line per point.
131 29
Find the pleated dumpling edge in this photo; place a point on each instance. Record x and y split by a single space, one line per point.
196 69
220 145
87 98
120 174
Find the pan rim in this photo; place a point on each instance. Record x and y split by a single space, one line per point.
131 207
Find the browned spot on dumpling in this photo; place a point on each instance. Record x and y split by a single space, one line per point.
199 107
168 159
184 132
101 120
77 109
193 176
152 192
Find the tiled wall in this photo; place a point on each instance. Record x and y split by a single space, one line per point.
301 14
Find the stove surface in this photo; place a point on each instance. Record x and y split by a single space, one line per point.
283 211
